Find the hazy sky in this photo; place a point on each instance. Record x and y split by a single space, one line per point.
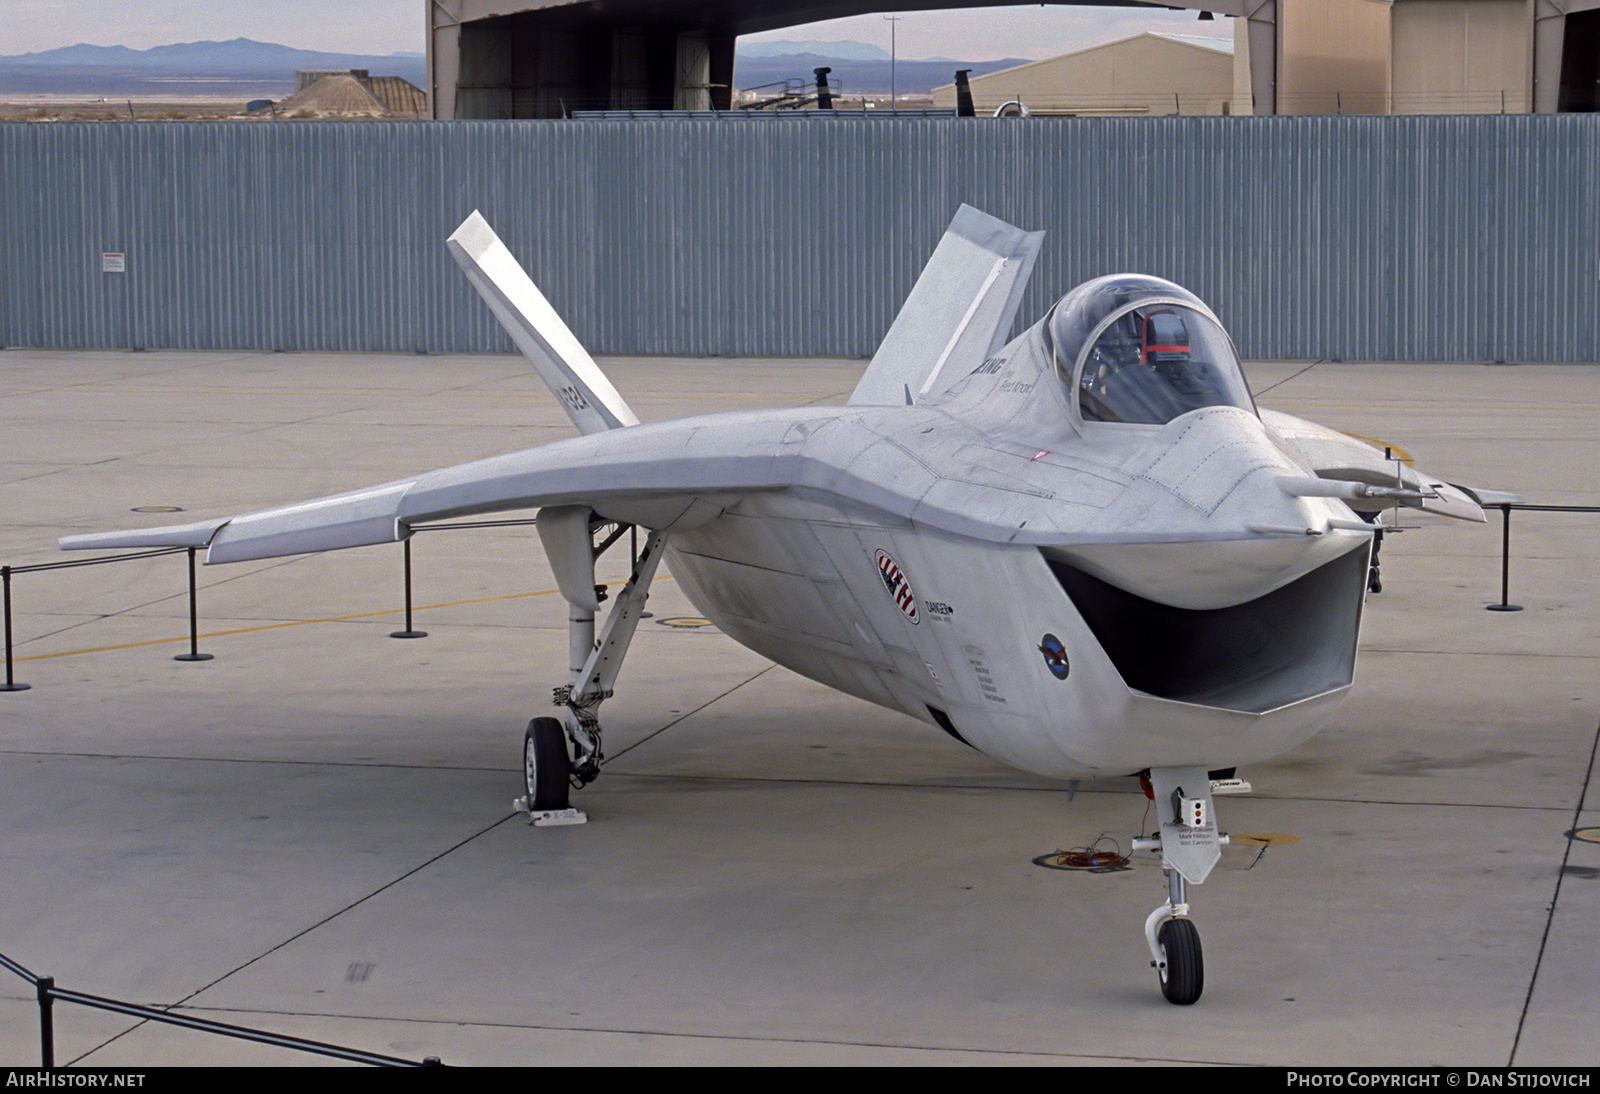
391 26
981 34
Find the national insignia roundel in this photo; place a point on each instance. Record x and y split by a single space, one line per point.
1055 656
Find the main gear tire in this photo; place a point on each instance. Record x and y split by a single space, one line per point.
545 765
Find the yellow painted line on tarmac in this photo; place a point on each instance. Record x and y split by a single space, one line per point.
1508 408
303 623
532 396
277 626
304 392
1399 453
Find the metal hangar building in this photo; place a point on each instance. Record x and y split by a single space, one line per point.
546 58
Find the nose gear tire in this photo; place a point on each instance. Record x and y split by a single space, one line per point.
1183 975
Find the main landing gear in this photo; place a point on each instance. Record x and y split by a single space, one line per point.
1190 845
560 754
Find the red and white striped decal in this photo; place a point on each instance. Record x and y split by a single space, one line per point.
894 580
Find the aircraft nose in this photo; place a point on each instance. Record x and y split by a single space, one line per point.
1207 522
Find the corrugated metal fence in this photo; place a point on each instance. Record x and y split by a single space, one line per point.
1416 238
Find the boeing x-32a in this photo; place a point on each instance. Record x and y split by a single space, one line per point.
1084 552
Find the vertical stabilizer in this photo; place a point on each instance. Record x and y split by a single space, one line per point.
561 361
959 311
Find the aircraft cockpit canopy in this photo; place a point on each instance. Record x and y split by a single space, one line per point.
1142 350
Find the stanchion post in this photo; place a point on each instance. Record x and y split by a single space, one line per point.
11 683
409 632
45 986
194 653
1505 604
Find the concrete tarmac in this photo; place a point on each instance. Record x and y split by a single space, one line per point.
312 834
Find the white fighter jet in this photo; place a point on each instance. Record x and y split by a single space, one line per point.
1084 552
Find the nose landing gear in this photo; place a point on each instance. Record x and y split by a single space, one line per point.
1190 845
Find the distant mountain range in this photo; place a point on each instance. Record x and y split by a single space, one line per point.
858 67
247 67
241 66
208 58
843 50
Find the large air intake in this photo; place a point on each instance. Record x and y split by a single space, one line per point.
1292 643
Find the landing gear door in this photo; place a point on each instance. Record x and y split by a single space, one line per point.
1190 843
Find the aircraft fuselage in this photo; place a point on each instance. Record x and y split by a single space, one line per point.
1049 637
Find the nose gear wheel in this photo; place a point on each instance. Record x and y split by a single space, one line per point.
1182 968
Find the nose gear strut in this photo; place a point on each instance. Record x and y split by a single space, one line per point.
1190 845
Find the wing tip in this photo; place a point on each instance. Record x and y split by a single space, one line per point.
197 535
